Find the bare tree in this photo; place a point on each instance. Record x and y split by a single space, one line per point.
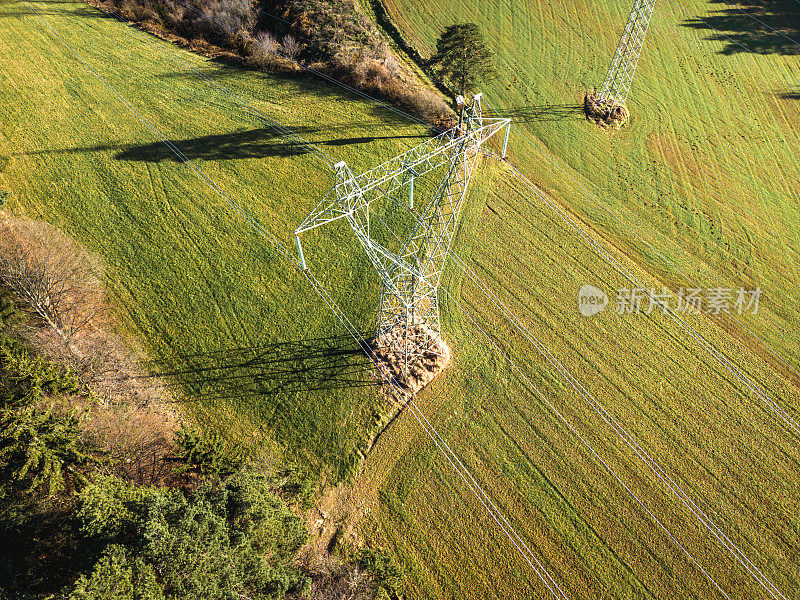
267 43
52 276
291 47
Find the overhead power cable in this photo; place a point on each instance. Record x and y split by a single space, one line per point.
779 412
617 427
736 372
453 460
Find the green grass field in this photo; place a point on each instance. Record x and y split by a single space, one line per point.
704 173
211 299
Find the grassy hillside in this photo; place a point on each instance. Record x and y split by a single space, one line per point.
705 170
534 454
212 300
259 352
702 176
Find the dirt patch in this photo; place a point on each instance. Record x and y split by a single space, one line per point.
603 112
327 524
411 357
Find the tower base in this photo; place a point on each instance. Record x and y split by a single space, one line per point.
411 357
602 111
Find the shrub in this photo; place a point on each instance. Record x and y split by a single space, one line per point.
267 43
27 378
112 509
263 51
41 452
257 514
117 575
335 32
225 540
207 454
386 574
291 47
216 21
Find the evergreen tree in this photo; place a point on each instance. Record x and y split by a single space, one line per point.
462 59
40 452
225 540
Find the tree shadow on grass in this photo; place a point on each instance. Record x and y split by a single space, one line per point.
300 367
251 143
756 26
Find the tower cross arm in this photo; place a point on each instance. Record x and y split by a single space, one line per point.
426 156
390 176
329 209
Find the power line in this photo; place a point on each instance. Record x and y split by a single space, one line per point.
583 441
285 132
709 524
717 532
666 260
694 334
629 440
166 141
451 457
482 496
767 346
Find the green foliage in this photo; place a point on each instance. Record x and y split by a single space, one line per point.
225 540
40 452
192 305
26 378
9 315
208 454
387 575
462 59
336 28
295 484
257 514
111 509
117 575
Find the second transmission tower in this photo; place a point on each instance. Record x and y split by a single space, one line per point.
617 84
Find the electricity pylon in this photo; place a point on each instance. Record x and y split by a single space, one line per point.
411 275
623 66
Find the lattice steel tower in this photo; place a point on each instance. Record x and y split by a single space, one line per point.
411 274
620 74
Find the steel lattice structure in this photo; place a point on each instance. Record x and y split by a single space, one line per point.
623 66
410 277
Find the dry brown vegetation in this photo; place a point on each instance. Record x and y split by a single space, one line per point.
601 113
395 347
53 278
329 35
59 285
